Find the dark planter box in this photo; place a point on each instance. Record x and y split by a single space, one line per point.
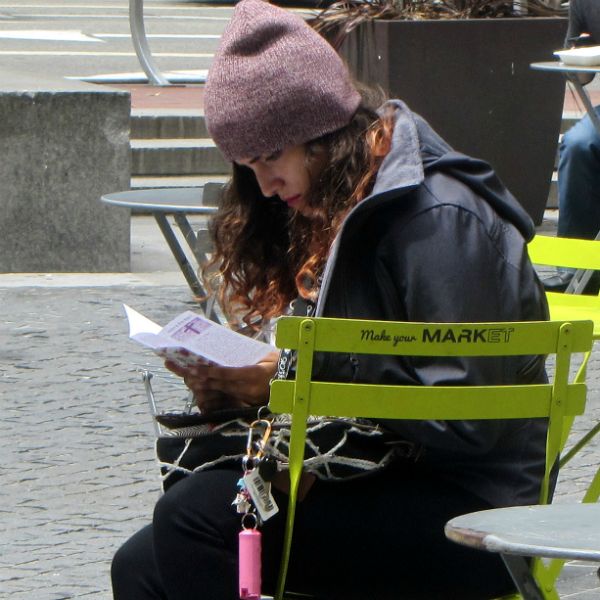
472 81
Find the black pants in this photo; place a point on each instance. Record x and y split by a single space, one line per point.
374 538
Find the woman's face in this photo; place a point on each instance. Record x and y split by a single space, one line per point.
286 174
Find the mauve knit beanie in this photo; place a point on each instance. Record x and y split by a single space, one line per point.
274 83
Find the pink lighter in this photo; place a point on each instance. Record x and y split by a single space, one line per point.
249 561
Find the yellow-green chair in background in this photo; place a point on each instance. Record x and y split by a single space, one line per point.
303 396
583 255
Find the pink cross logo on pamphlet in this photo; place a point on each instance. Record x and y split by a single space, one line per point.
195 326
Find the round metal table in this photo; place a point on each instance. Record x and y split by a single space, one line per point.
570 72
178 202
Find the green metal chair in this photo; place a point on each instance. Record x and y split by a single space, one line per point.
583 255
573 253
302 396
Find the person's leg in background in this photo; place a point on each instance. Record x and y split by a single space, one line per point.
578 189
579 181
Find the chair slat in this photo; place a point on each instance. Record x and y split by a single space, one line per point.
575 306
434 339
423 403
564 252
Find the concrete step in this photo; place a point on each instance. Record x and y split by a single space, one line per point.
171 148
167 124
177 156
569 119
190 123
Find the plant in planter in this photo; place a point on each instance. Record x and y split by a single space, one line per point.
340 18
464 66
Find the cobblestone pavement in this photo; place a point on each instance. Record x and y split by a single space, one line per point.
77 468
76 442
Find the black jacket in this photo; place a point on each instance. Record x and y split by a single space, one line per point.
584 17
441 239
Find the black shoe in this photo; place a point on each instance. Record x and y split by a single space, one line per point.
558 282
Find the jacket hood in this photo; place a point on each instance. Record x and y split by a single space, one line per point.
417 148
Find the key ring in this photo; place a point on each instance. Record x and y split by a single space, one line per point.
261 411
260 445
246 516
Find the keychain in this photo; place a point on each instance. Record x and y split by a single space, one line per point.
254 494
256 466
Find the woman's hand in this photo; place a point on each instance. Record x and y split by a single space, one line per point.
228 387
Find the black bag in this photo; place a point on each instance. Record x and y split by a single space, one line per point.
336 448
199 442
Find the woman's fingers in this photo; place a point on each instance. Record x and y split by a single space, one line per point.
248 384
180 368
208 401
174 367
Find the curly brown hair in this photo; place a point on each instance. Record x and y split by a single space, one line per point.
266 254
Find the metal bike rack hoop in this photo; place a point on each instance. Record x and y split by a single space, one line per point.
140 44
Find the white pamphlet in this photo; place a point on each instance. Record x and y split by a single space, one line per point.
191 338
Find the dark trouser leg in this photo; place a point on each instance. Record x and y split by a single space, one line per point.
578 192
383 537
579 181
379 537
133 573
195 537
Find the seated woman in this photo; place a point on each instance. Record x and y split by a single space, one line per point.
359 212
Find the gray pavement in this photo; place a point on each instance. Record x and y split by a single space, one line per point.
77 469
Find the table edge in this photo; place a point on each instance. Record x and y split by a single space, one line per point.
561 67
118 199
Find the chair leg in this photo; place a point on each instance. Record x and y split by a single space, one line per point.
522 576
568 422
545 575
593 492
579 445
147 379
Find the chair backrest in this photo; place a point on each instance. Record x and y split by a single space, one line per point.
576 307
583 255
303 397
565 252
